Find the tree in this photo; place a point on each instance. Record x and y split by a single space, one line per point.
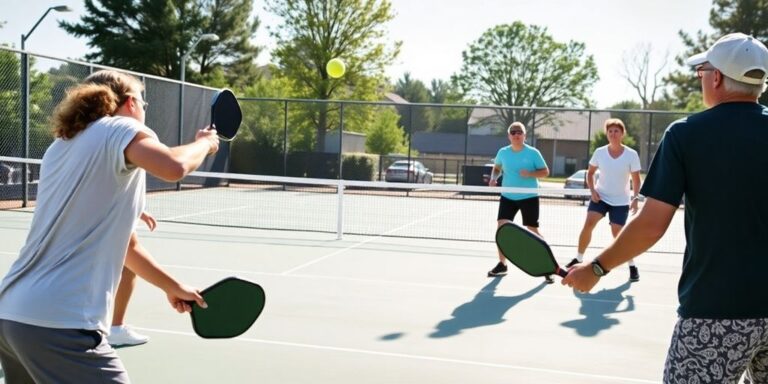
415 92
152 36
520 65
313 32
40 96
636 70
386 136
726 16
448 119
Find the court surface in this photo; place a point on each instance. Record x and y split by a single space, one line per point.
370 309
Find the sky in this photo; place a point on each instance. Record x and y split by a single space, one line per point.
435 32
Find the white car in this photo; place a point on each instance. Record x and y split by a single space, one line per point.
405 171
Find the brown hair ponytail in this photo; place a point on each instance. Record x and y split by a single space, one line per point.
100 95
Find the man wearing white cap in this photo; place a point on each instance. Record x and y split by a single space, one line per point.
716 159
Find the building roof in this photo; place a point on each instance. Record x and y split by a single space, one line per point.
559 125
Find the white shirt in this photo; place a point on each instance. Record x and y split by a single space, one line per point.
613 183
88 201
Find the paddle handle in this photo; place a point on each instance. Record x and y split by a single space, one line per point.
561 272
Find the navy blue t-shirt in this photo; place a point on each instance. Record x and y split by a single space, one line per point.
718 159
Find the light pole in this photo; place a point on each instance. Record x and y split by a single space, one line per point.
25 101
204 37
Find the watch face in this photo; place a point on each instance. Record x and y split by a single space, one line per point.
597 270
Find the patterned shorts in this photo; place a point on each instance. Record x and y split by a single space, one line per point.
718 351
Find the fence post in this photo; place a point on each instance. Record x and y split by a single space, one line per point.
341 138
650 140
24 126
589 136
285 138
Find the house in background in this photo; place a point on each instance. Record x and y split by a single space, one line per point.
563 138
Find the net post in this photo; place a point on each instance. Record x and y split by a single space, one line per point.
340 209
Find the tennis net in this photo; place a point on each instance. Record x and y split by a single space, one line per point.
432 211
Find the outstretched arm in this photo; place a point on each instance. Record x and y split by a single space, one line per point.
139 260
171 164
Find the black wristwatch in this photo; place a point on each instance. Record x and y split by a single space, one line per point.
598 269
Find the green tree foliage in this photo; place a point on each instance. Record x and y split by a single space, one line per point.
40 107
312 33
726 16
260 144
385 135
413 118
151 36
520 65
448 119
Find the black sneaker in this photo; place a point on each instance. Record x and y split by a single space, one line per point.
634 274
572 262
549 279
499 270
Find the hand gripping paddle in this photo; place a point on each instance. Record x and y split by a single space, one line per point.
233 306
527 251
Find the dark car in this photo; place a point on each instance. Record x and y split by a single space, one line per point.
405 171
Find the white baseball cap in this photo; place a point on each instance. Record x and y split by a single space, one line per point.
734 55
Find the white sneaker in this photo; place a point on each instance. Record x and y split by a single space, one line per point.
121 335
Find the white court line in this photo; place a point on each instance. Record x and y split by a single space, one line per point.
366 241
202 213
8 253
414 357
400 283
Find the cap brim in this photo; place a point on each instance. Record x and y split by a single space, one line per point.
699 58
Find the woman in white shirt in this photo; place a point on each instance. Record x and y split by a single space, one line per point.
611 193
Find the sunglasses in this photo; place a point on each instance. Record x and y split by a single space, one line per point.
143 103
515 133
701 69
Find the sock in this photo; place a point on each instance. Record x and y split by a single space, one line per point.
632 263
580 257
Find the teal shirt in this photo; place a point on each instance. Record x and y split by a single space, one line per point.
717 159
511 162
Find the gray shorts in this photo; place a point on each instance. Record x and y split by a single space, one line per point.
32 354
718 351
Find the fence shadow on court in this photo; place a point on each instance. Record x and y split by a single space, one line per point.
597 306
485 309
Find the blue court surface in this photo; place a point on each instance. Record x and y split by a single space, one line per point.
371 309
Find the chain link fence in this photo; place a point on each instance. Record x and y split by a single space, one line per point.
314 138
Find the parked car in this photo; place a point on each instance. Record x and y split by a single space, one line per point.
577 181
404 171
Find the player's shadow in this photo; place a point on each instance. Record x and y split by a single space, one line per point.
485 309
597 306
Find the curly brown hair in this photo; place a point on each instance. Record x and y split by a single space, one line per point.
100 94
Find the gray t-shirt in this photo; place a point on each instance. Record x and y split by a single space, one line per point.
87 204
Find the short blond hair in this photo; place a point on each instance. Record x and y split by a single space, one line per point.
614 123
516 124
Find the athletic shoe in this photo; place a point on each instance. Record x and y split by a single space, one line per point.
499 270
572 262
123 335
549 279
634 274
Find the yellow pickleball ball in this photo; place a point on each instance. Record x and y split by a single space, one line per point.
335 68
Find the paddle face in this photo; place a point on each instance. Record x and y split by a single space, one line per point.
233 306
527 251
226 115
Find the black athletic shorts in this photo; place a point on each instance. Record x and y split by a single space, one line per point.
528 207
